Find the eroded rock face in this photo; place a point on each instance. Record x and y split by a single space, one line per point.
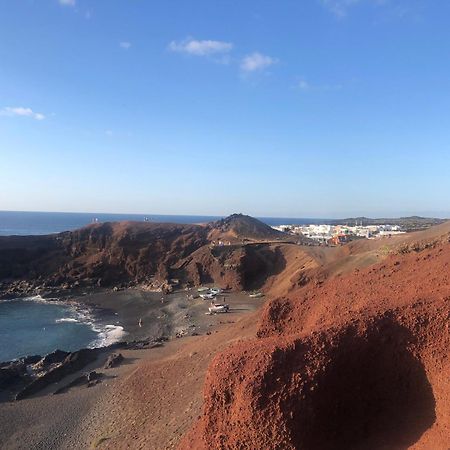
359 387
355 363
100 254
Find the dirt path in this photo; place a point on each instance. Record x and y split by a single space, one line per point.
156 402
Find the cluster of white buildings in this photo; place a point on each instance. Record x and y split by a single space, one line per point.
340 233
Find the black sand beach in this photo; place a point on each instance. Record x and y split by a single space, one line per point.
32 423
163 315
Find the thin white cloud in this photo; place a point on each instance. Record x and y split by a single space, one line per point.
200 48
19 111
256 62
306 86
340 8
67 2
303 85
125 45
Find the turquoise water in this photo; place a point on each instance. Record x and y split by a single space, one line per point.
36 327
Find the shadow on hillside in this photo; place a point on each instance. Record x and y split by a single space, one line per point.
261 262
372 394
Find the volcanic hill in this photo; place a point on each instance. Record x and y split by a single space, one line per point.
141 253
242 227
350 350
357 361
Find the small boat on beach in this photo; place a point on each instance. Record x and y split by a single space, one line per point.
218 309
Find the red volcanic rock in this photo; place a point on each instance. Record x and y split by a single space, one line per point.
104 254
109 252
358 362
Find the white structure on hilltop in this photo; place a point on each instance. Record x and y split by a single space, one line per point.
323 233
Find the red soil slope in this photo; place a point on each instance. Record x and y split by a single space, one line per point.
360 361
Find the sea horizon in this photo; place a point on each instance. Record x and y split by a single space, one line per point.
23 223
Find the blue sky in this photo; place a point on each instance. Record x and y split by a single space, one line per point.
312 108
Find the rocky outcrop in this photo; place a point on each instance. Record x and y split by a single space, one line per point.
72 363
27 376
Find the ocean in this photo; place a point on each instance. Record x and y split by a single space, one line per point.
33 326
33 223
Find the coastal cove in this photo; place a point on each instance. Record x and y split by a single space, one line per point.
38 326
86 319
224 225
161 282
154 323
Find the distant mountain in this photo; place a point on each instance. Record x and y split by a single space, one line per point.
411 223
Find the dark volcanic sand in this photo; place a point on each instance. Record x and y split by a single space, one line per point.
34 423
165 315
129 306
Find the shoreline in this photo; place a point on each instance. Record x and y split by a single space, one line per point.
107 313
83 408
146 319
103 322
103 309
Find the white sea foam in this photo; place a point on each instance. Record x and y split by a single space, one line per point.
35 298
66 319
109 335
39 299
106 334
